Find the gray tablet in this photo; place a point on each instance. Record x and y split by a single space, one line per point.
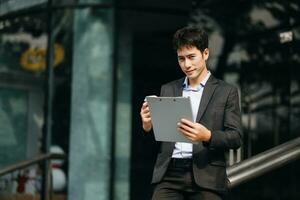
166 112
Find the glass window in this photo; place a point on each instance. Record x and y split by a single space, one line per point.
90 137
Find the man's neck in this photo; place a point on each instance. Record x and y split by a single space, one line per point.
196 82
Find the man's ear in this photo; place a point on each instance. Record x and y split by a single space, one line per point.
205 53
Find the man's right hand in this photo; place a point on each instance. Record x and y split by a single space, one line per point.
146 117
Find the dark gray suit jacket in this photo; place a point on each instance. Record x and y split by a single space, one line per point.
219 111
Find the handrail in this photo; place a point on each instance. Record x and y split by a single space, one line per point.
263 162
26 163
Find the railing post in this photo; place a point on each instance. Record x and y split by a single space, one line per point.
46 139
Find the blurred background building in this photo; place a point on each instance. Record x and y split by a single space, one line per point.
74 73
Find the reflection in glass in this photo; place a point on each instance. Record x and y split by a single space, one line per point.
90 136
14 126
23 43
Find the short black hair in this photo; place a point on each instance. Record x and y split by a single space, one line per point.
190 36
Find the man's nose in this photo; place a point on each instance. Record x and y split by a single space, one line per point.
187 63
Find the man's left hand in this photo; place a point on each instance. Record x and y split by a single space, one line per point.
193 131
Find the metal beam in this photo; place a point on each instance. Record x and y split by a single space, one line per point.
263 163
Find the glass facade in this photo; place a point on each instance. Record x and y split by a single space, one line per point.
14 117
107 56
90 154
22 50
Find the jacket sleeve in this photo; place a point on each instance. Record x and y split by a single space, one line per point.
162 89
231 136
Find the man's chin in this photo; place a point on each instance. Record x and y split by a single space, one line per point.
191 77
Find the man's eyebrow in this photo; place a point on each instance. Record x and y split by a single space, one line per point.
191 54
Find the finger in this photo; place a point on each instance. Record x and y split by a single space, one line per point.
146 120
187 128
145 109
187 134
145 104
146 115
187 122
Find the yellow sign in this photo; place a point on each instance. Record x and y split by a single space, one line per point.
34 59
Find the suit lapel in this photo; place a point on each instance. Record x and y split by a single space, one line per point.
178 88
209 89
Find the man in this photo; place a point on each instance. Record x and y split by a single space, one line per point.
189 171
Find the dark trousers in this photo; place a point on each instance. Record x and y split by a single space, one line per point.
178 184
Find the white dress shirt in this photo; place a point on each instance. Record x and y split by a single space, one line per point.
183 149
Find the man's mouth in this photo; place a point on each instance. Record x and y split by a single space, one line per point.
189 72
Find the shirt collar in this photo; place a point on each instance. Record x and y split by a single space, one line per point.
199 87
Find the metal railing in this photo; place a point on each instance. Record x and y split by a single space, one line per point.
26 163
264 162
237 174
43 158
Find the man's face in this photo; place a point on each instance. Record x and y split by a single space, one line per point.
192 61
